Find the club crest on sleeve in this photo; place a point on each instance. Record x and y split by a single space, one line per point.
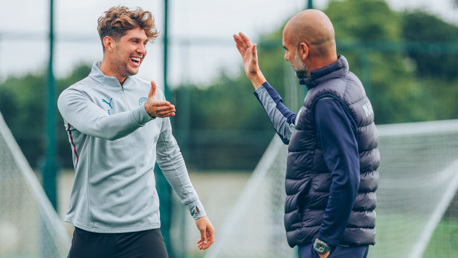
142 101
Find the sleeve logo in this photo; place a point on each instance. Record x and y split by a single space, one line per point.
142 101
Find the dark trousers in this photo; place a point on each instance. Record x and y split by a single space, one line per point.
307 251
144 244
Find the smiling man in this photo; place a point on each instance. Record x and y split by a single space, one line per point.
118 128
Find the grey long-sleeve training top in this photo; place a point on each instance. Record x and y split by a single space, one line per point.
115 145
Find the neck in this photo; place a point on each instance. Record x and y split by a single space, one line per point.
109 70
321 62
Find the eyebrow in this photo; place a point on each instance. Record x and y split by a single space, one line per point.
137 38
285 47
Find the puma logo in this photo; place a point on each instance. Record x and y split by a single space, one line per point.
108 103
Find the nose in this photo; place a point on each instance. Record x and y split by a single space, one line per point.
286 56
141 49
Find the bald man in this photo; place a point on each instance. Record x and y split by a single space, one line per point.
333 157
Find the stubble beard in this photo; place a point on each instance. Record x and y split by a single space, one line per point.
302 71
122 67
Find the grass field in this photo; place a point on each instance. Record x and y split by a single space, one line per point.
444 242
398 233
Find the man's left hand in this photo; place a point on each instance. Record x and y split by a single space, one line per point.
207 233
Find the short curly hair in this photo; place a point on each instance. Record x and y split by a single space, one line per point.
119 19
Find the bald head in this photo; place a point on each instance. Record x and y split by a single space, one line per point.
315 29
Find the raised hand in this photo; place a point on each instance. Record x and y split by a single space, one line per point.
158 108
250 59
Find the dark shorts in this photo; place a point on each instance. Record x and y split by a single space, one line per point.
307 251
144 244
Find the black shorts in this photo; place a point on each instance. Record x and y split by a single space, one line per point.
142 244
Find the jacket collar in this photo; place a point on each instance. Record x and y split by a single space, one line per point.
97 75
336 69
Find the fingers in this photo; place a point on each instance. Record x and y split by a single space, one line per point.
152 91
241 50
203 239
242 42
157 108
245 39
239 44
207 239
163 109
207 233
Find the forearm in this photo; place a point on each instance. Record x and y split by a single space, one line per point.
280 116
340 152
338 210
90 119
171 162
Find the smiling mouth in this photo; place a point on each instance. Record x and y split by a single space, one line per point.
135 60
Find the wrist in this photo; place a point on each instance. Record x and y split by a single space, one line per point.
257 80
321 247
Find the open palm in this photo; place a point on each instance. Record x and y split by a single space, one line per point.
250 58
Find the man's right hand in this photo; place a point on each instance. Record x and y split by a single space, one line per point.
250 59
158 108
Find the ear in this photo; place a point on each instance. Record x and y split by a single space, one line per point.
108 43
303 50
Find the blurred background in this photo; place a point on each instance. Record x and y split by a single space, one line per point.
405 53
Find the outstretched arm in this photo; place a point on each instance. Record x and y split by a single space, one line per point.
82 113
250 59
280 116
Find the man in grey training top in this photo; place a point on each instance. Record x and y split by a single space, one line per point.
118 127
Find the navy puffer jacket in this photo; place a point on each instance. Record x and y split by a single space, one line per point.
308 179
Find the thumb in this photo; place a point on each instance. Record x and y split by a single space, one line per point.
254 54
152 91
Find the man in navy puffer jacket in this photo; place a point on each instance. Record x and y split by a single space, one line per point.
333 158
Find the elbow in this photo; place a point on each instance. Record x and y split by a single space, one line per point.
111 134
285 135
284 139
112 137
109 131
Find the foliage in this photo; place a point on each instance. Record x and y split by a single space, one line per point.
434 54
24 112
391 74
226 105
23 106
224 124
386 76
405 60
432 37
365 20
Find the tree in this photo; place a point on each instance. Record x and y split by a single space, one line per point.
22 103
228 127
368 29
24 112
432 37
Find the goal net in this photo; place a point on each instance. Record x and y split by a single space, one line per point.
29 226
417 207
